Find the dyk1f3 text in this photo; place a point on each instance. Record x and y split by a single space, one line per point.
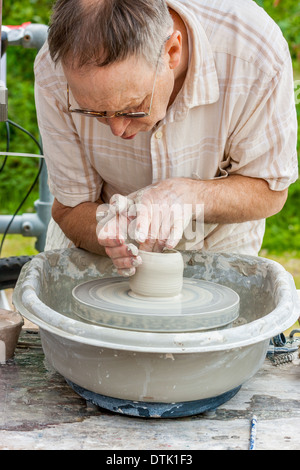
152 459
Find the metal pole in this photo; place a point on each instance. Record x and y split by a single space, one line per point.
35 36
3 89
30 225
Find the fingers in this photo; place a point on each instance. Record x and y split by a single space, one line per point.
112 232
165 226
154 226
143 218
125 259
126 272
179 220
119 203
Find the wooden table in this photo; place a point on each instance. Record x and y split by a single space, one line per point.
38 410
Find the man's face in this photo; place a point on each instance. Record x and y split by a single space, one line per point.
125 86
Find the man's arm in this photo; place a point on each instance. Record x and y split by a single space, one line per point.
237 199
79 224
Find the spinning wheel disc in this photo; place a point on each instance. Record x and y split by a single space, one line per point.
201 305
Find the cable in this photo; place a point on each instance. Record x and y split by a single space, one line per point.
26 132
35 179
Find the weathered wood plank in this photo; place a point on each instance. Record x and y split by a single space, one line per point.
38 410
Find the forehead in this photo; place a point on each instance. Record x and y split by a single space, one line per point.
111 87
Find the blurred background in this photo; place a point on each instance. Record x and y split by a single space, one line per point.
282 238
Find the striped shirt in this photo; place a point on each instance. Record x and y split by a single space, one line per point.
235 115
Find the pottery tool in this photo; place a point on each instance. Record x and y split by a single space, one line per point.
253 433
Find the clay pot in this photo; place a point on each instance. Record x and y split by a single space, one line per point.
159 275
10 327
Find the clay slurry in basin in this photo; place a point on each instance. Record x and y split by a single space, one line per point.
190 304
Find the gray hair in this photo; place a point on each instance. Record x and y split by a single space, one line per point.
101 32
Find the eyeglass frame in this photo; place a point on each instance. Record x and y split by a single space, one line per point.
99 114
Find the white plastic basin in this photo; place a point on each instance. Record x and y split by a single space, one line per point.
152 367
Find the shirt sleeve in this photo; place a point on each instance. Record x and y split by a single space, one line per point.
71 176
264 141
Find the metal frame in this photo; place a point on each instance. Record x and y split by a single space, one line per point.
29 225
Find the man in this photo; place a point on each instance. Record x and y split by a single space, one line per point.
173 104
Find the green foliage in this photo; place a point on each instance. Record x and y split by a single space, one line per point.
19 173
283 230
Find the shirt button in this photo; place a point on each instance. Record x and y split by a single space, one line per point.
158 135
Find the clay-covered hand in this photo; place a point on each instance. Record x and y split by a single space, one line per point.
150 219
112 232
162 213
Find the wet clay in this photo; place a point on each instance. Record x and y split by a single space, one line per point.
159 275
10 328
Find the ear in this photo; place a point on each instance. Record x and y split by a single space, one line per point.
174 49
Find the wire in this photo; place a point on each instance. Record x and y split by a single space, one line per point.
35 179
26 132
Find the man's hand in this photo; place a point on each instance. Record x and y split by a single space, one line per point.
162 212
153 218
157 216
112 229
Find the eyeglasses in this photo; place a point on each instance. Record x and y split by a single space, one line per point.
107 115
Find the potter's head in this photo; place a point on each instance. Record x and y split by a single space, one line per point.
118 56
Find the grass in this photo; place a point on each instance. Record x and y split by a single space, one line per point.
289 261
17 245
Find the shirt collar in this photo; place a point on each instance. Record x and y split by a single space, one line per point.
201 85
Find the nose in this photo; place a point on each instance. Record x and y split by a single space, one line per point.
118 125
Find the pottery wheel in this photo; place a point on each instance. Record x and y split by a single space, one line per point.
201 305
